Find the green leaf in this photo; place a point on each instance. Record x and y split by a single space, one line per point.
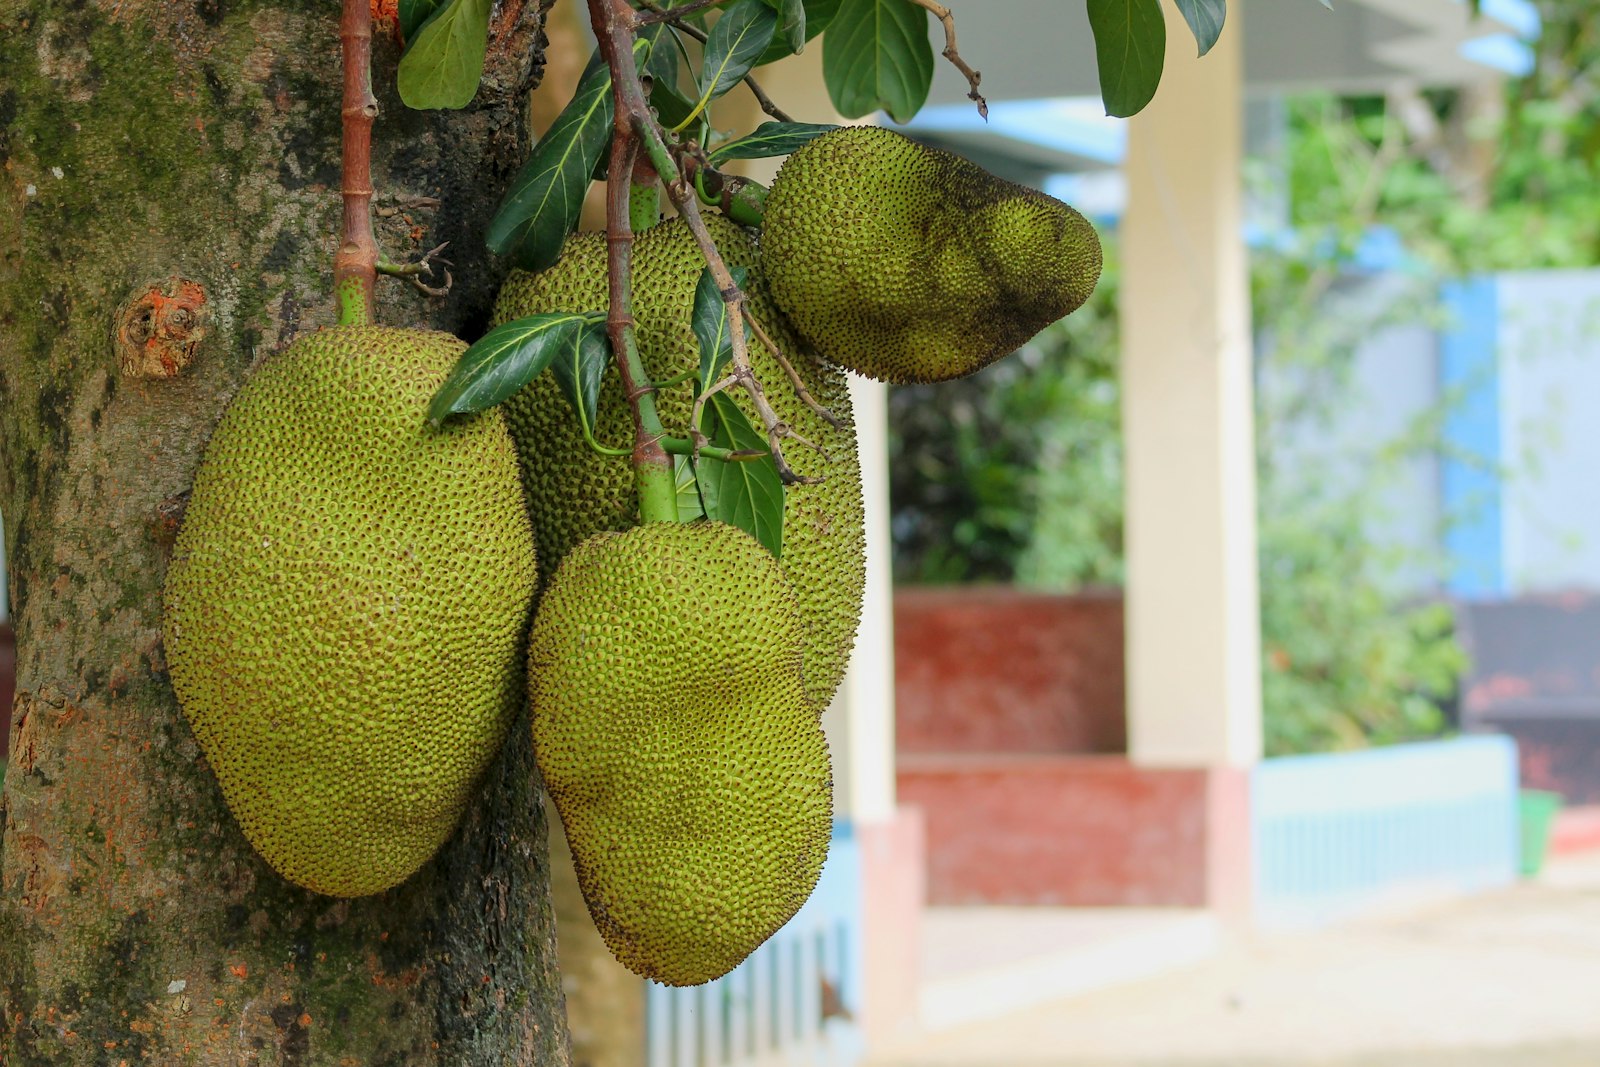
877 56
819 13
791 23
770 139
546 197
502 361
1130 43
743 493
579 368
413 14
710 320
442 66
1205 19
732 48
689 506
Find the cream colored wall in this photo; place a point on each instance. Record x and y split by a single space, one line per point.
1193 630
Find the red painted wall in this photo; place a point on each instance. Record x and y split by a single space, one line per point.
992 669
1081 830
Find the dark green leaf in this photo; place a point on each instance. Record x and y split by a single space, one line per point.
413 13
710 321
733 46
746 493
791 23
442 67
877 56
502 361
545 198
666 94
818 14
770 139
1205 18
689 506
1130 43
579 368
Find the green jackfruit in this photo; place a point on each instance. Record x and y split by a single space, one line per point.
575 492
346 606
674 734
910 264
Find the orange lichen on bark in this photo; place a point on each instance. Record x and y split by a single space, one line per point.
160 328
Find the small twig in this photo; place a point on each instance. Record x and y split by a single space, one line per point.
795 380
355 264
413 272
699 410
733 297
672 14
973 77
766 101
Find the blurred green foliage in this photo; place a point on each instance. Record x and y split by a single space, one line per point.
1015 474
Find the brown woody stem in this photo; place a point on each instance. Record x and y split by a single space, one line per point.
355 265
942 13
614 26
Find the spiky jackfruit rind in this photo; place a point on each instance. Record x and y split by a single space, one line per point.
907 263
346 606
673 731
575 492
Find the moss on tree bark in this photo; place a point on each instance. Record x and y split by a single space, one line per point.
168 206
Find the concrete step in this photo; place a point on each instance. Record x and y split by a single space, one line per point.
985 962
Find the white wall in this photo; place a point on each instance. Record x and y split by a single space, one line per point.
1549 354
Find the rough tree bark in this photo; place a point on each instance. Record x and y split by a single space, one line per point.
168 209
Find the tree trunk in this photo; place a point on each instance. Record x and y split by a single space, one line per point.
168 211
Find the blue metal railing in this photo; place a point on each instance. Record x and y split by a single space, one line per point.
1336 834
792 1002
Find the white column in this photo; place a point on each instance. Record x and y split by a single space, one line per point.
1193 625
860 724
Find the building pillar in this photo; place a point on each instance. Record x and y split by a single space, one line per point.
1193 620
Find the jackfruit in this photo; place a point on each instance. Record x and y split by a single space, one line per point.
674 734
346 606
575 492
907 263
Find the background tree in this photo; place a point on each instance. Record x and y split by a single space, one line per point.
169 219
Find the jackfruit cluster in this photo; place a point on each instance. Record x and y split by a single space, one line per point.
575 491
346 607
907 263
674 733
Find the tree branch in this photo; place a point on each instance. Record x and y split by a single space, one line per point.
355 264
614 26
942 13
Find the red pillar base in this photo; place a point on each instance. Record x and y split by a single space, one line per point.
1080 830
894 891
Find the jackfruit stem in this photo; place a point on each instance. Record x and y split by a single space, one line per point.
652 466
615 23
355 264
